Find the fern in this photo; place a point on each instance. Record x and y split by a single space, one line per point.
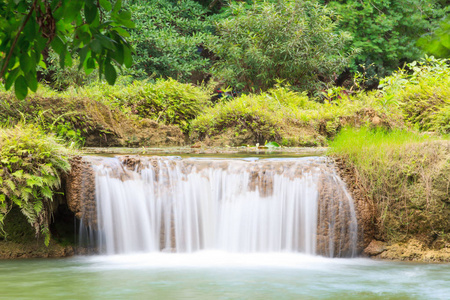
30 164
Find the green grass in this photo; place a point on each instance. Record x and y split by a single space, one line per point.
361 145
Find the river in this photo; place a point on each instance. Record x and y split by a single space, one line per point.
219 275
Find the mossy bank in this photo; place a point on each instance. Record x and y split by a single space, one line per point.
405 180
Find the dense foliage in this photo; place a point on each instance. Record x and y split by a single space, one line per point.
438 43
287 117
29 28
168 39
30 166
166 101
292 40
423 94
386 32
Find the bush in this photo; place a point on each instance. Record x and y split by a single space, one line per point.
438 43
423 93
87 117
262 116
294 40
30 166
287 117
166 101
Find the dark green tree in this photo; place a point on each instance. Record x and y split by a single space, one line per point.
168 39
386 31
291 40
95 29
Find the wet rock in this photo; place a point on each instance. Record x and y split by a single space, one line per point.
365 208
414 250
336 224
80 190
375 248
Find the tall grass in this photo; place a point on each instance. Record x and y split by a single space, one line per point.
362 145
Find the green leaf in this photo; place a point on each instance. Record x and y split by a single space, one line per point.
105 41
118 54
18 174
96 46
47 192
117 6
90 12
110 73
38 206
25 62
445 40
106 4
21 87
125 15
127 58
72 10
127 23
31 80
10 78
58 45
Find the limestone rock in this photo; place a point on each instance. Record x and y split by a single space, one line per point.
375 248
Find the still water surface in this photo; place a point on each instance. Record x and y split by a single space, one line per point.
217 275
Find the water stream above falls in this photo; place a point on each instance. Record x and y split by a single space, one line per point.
234 205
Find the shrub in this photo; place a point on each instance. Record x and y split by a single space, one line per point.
438 43
166 101
30 166
87 117
294 40
423 93
287 117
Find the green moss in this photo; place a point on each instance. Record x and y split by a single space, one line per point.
17 227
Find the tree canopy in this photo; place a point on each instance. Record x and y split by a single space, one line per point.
95 29
290 40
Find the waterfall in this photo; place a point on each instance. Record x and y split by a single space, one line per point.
235 205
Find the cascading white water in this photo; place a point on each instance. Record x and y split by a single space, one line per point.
186 205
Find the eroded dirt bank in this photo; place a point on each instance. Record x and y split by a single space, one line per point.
409 203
